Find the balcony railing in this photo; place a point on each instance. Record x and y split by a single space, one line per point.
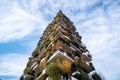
43 72
87 56
61 53
34 66
27 76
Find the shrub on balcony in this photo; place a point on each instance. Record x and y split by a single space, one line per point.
54 71
54 40
95 76
83 75
57 19
34 54
66 68
91 65
78 53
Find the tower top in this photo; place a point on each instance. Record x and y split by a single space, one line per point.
60 12
61 15
61 18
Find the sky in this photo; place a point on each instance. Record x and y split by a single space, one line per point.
22 23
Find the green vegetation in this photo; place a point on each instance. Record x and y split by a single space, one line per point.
34 54
54 71
95 76
57 19
78 53
83 75
91 65
54 40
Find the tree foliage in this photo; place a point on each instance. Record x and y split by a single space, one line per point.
95 76
84 76
66 66
54 71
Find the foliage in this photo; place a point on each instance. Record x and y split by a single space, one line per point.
95 76
57 19
84 75
54 40
66 66
54 71
78 53
92 66
34 54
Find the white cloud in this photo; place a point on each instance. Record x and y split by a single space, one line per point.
19 23
12 64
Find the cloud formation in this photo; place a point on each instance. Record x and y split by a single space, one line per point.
12 64
18 23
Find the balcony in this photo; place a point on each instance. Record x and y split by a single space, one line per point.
66 38
59 55
93 75
86 67
43 72
74 46
63 46
27 77
76 74
87 56
90 74
44 51
34 67
42 59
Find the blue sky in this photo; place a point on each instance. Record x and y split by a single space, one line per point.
22 23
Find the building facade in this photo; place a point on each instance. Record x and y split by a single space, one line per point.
60 54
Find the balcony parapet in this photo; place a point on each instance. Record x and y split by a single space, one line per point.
58 52
43 72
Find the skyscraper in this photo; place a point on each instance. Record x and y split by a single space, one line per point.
60 54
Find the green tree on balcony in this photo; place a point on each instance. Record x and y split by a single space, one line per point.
54 71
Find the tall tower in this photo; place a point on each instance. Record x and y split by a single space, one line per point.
60 54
